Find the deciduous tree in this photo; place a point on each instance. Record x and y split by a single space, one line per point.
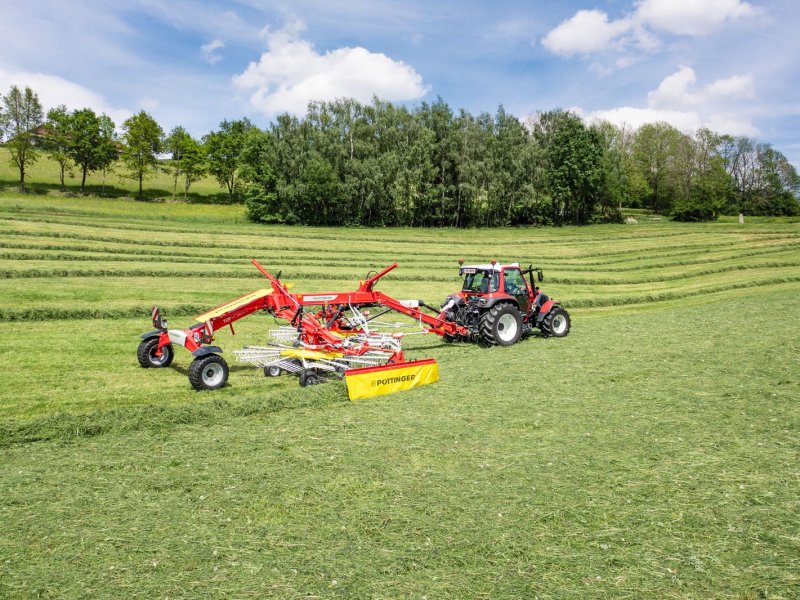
223 152
57 139
22 115
142 141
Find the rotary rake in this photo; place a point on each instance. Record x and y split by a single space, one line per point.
328 336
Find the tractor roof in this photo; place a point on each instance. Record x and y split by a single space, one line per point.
485 267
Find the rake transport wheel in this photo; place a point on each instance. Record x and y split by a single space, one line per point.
147 354
556 323
272 371
209 372
310 377
501 325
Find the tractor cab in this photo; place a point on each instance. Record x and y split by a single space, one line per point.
489 283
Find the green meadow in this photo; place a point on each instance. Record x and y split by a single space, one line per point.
652 453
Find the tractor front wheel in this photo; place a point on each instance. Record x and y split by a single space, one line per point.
501 325
209 372
148 358
556 323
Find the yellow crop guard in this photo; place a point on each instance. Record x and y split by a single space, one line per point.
387 379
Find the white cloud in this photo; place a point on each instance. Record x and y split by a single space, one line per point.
585 32
678 100
209 51
54 90
691 17
591 31
680 90
292 73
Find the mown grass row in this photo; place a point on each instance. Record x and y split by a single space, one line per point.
101 310
640 260
565 254
99 270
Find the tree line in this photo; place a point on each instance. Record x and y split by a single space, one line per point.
378 164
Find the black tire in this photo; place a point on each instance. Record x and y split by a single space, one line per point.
209 372
555 323
272 371
309 377
450 339
147 354
501 325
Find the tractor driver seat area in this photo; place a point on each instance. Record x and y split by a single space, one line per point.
484 285
540 300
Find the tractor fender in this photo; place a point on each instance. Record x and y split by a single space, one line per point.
154 333
205 350
504 300
545 309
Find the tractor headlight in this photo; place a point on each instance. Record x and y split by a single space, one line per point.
482 301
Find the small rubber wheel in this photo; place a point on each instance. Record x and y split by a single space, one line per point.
209 372
272 371
556 323
309 377
501 325
148 358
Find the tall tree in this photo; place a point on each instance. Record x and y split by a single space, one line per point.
57 139
574 175
261 184
175 144
108 151
654 151
142 140
84 142
192 163
224 148
22 115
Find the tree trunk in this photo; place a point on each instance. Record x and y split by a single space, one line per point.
62 176
103 189
175 187
22 178
83 181
140 186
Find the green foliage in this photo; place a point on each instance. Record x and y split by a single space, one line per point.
260 182
22 115
142 141
58 137
223 152
574 178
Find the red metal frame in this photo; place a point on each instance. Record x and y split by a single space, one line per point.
317 330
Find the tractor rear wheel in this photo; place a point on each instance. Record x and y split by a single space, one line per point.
556 323
147 354
501 325
209 372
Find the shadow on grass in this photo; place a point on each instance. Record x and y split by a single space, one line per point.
114 192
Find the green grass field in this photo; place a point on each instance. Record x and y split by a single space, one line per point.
652 453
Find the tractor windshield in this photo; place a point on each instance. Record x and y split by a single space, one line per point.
482 282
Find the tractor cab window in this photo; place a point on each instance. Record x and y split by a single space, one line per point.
514 282
483 282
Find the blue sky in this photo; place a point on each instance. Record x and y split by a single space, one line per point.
728 64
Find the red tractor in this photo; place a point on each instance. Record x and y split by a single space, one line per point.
497 305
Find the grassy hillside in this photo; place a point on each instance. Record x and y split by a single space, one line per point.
43 178
652 453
